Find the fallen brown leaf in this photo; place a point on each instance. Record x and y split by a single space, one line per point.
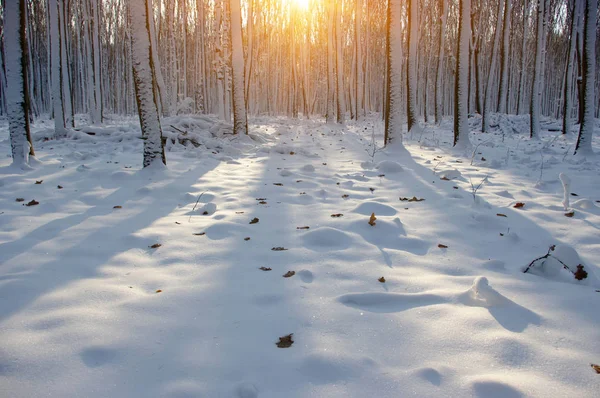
59 187
345 196
261 199
177 222
285 341
292 153
519 205
262 202
247 238
595 367
337 215
278 249
580 274
155 246
442 246
33 203
570 214
501 215
372 189
445 179
239 212
159 291
382 279
200 234
278 184
20 200
39 182
265 269
117 207
381 175
254 221
372 220
413 199
289 274
305 227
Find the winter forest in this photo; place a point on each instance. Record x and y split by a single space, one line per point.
299 198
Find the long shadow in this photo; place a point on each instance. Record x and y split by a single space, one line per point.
31 282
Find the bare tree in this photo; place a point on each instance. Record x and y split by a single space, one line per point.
461 86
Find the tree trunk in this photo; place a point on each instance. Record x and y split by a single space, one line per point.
461 106
393 108
568 93
411 67
15 46
586 130
144 80
55 61
339 66
485 123
440 65
536 92
504 58
240 121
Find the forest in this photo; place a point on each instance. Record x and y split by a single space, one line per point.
299 198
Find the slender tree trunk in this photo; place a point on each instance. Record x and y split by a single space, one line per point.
330 64
440 64
57 100
240 121
502 98
339 66
586 130
411 67
485 123
536 92
521 94
568 93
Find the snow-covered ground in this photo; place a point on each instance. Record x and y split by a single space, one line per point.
88 308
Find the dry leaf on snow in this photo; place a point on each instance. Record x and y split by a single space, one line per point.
595 367
519 205
305 227
265 269
285 341
278 249
289 274
382 279
20 200
200 234
155 246
33 203
337 215
372 220
442 246
254 220
39 182
570 214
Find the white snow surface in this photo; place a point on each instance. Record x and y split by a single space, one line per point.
88 308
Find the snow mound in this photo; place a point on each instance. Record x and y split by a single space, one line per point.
388 166
285 173
208 209
586 204
481 294
379 209
327 239
308 168
450 174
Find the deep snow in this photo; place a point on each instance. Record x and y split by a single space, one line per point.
88 308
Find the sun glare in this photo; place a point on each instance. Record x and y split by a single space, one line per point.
301 3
